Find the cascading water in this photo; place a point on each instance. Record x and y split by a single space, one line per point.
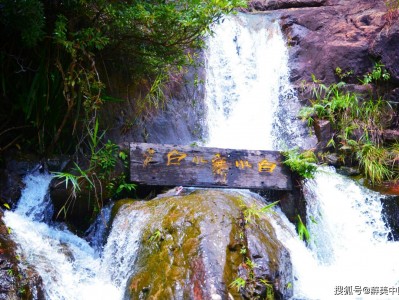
349 241
69 267
247 86
251 105
349 253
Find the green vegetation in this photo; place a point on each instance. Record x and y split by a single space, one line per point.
269 289
393 10
238 283
156 236
379 73
303 232
302 163
98 180
56 60
253 212
358 122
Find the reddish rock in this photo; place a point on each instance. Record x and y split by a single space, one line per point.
323 132
391 135
386 46
338 35
280 4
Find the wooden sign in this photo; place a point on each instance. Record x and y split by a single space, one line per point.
171 165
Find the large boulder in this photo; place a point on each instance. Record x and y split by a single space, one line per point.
195 246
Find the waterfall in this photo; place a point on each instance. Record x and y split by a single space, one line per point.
122 244
97 232
349 241
349 253
69 266
250 103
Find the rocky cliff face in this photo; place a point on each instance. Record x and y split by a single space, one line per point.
173 116
325 34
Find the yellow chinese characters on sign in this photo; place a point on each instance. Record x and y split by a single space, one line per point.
148 155
199 160
175 157
219 166
242 164
266 166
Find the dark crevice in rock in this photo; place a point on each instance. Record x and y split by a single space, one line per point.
390 210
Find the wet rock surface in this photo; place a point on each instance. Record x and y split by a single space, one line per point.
10 188
8 286
176 119
195 246
15 167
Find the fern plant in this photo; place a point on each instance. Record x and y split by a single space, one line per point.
302 163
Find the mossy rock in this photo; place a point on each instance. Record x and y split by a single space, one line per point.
191 248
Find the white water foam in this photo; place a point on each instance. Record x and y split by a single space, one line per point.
247 85
33 203
349 255
69 267
123 243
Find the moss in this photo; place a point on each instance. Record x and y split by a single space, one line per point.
191 246
233 259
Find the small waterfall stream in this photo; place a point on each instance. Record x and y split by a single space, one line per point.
250 102
69 266
351 253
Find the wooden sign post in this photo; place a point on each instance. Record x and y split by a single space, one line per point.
170 165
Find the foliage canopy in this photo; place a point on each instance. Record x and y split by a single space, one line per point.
55 57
